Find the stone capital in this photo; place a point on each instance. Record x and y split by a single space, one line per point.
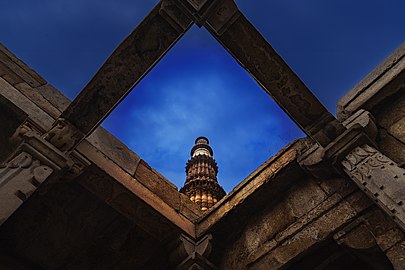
354 154
325 162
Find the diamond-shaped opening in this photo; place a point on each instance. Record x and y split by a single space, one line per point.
198 89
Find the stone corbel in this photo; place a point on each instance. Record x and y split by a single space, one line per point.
34 161
188 254
27 126
32 134
324 162
64 135
360 242
354 154
19 178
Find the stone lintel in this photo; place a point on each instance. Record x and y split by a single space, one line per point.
354 154
272 73
126 66
125 193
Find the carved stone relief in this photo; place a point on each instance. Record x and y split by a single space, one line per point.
380 177
19 178
64 135
187 254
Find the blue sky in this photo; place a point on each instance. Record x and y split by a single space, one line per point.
198 89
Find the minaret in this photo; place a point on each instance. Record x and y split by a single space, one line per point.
201 184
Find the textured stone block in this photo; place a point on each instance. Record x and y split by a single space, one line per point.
397 256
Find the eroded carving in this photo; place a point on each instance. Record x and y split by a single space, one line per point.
64 135
380 178
187 254
27 126
19 178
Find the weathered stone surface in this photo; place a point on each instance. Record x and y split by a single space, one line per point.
260 179
38 99
303 240
21 101
380 178
385 231
54 96
19 178
20 68
397 255
114 149
391 147
167 191
398 130
391 110
9 75
304 197
116 181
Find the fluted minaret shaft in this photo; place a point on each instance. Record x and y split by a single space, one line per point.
201 184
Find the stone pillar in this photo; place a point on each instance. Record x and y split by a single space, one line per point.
380 178
188 254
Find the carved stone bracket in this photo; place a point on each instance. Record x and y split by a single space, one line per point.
64 135
353 153
380 178
187 254
360 242
19 178
324 162
34 161
26 126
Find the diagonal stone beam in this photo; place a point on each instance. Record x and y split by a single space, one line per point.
127 65
228 25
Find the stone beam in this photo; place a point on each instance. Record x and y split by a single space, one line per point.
228 25
127 65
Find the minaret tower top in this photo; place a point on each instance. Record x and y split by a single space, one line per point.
201 184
